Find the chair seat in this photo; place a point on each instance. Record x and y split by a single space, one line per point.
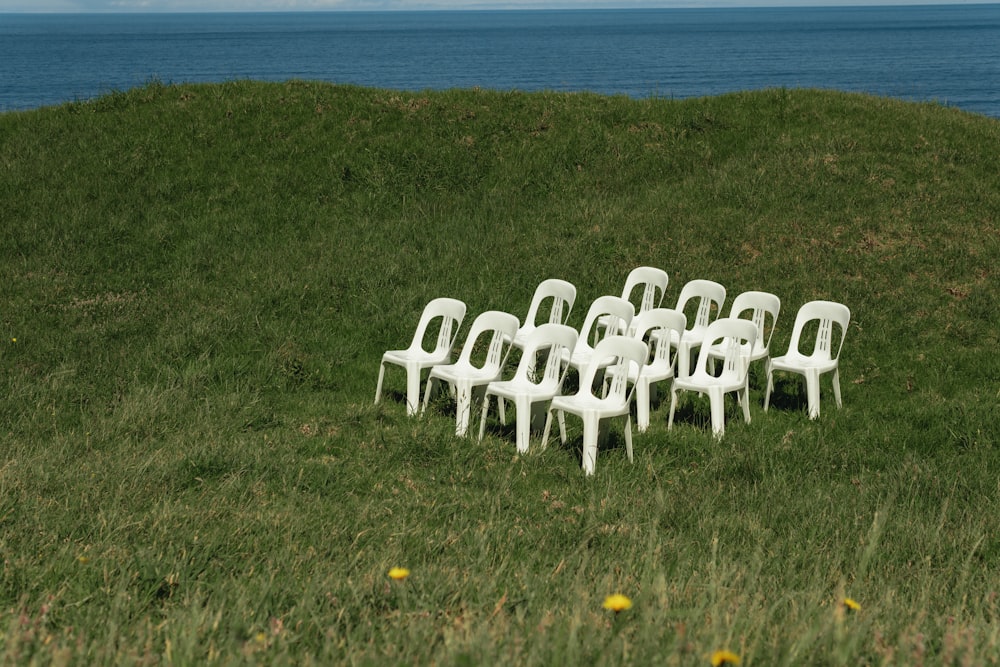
582 358
654 372
703 385
455 373
522 334
694 335
418 357
758 351
796 362
516 387
589 403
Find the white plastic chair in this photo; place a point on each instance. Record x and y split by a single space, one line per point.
825 356
708 294
611 352
763 309
415 358
524 389
619 314
653 283
465 375
734 336
562 295
657 325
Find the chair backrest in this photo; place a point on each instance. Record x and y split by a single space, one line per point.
563 295
762 306
555 339
656 325
736 337
708 293
501 328
827 313
653 282
451 312
620 312
623 352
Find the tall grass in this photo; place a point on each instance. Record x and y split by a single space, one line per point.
197 285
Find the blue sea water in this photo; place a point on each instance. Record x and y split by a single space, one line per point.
945 53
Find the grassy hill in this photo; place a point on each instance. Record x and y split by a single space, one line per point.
198 283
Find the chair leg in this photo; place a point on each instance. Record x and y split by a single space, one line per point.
463 406
545 431
744 398
378 387
683 359
770 385
642 405
591 429
427 393
673 405
501 408
485 412
836 387
812 393
522 426
717 404
412 391
628 437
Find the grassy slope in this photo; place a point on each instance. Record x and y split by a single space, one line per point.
201 280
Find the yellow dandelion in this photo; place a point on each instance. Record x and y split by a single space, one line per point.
722 658
617 603
399 573
83 560
851 604
13 340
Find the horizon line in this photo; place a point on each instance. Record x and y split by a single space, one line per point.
764 4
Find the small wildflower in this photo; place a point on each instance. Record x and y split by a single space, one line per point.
399 573
617 603
83 560
260 638
851 604
13 340
723 658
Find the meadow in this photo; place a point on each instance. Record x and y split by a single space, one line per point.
198 282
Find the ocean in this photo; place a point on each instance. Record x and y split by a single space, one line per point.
944 53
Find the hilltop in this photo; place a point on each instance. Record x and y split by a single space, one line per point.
198 282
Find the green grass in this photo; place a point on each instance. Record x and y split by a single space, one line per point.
201 281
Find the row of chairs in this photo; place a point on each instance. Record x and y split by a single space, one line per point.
617 353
